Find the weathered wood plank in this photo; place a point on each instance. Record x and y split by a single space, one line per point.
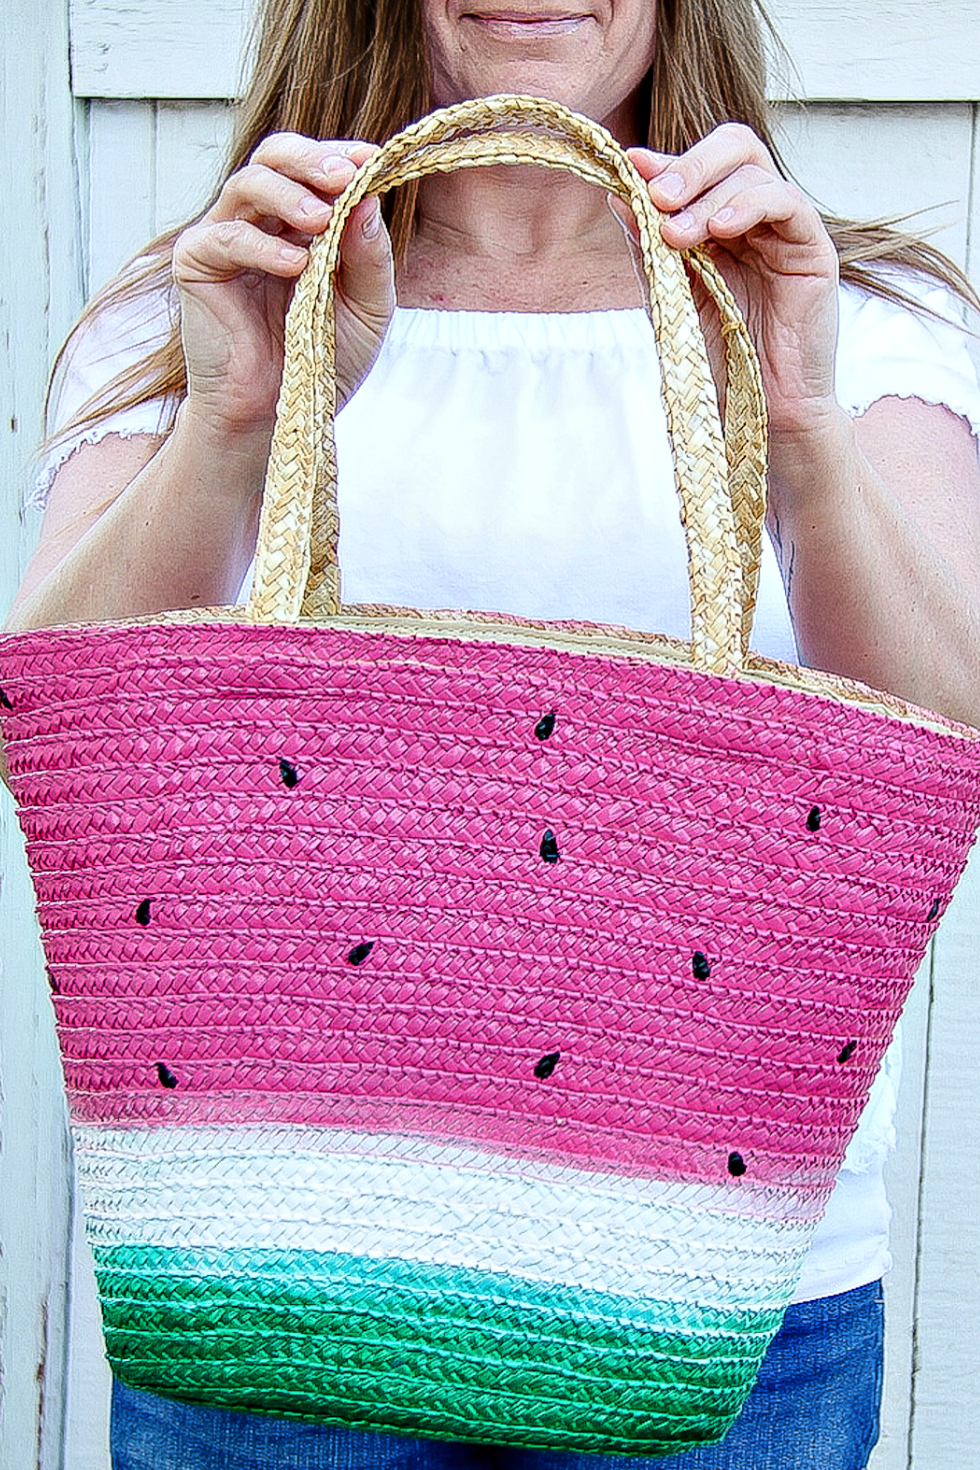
34 1196
869 162
160 48
42 269
89 1381
41 272
881 50
973 241
191 142
120 185
876 50
945 1403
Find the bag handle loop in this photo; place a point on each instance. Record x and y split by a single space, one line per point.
296 570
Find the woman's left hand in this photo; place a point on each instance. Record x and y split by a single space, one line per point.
770 243
875 523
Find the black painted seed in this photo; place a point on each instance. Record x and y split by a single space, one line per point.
846 1052
143 913
933 911
547 1065
813 820
167 1078
360 952
736 1165
288 772
53 985
545 725
549 847
5 702
700 966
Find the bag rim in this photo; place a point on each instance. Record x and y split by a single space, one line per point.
576 636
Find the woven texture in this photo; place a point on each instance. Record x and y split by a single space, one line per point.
464 1021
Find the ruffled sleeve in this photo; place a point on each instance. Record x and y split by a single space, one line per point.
103 346
885 350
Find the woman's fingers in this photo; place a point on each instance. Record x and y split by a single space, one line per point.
287 188
236 265
259 193
269 210
722 188
225 249
746 199
675 182
790 216
310 160
365 295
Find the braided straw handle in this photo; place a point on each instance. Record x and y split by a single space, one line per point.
296 570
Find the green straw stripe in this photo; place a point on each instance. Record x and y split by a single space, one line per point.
432 1350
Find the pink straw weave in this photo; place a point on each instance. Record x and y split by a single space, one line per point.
277 798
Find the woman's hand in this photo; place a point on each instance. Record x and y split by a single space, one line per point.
235 269
134 526
876 523
770 243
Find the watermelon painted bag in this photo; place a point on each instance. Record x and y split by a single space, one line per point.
463 1017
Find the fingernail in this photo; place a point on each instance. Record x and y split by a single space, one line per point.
291 253
683 221
723 215
313 208
670 185
372 224
336 164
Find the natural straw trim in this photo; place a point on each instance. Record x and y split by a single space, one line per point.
605 640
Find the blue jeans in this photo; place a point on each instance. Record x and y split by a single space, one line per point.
815 1407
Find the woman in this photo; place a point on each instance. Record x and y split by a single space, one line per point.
517 324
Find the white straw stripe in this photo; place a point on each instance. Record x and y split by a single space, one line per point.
410 1199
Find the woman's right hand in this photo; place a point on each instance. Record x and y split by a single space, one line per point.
235 269
136 525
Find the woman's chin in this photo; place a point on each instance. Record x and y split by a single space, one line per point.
552 81
590 55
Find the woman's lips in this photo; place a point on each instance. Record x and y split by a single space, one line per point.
509 25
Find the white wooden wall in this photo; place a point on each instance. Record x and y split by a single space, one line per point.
104 153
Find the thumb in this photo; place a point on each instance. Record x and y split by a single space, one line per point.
366 279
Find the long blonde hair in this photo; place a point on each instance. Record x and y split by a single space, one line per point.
358 69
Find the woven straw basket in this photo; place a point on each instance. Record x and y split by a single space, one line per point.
464 1018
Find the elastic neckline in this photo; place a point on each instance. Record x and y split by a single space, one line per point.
483 331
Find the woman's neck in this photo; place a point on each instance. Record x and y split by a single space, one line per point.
516 239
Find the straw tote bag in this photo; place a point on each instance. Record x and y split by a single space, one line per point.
463 1017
